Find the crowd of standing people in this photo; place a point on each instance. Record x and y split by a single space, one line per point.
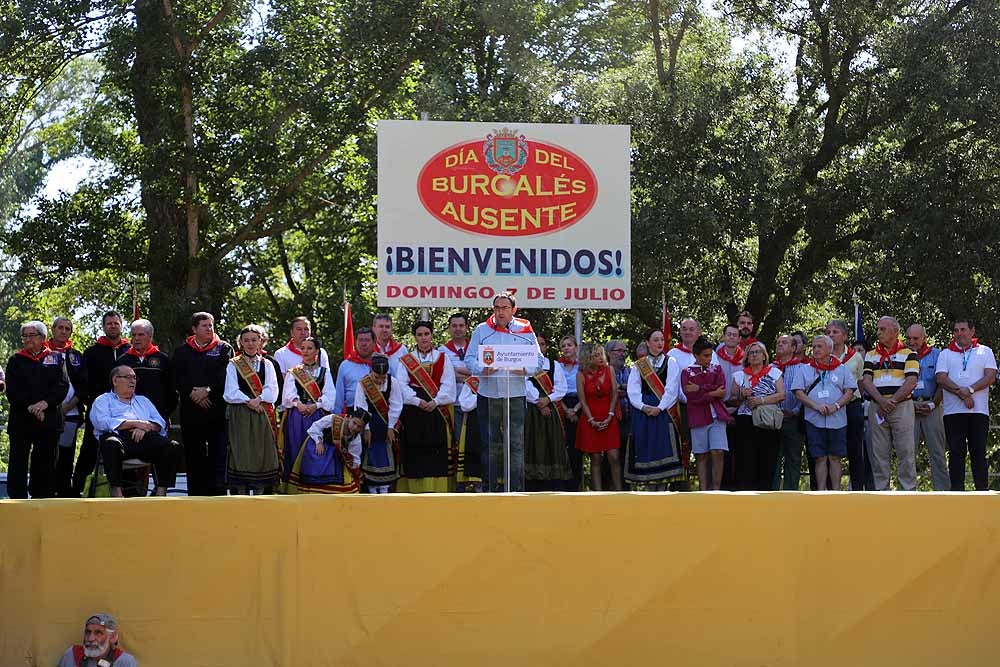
443 418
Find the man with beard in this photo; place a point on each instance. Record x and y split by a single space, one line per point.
99 647
745 324
62 329
98 359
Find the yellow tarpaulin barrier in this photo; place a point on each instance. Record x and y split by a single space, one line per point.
617 579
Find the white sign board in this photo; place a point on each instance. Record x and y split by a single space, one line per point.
468 210
508 356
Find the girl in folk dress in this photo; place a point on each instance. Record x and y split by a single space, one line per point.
251 390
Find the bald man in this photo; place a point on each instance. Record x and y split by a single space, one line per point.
928 410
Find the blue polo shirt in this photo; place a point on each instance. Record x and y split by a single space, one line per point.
926 381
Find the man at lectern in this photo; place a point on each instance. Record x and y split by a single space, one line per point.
497 387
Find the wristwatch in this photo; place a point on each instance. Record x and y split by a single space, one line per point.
971 390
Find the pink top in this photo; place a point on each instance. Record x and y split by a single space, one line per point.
699 403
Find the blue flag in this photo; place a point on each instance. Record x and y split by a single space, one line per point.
859 330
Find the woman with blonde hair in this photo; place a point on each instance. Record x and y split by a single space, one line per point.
597 432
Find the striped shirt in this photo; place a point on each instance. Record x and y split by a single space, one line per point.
888 376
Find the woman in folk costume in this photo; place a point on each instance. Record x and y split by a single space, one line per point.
546 461
334 442
653 384
309 394
467 471
427 380
382 398
251 390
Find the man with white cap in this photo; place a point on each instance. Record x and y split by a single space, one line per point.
100 646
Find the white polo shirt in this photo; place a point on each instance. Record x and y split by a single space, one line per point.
965 369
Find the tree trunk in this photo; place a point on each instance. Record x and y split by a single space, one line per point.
161 134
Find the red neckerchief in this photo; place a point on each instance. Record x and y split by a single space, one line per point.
51 344
150 351
925 350
391 349
524 324
953 346
782 365
41 353
834 362
454 348
194 346
849 352
755 377
103 340
886 355
736 359
292 348
356 359
566 361
682 348
746 342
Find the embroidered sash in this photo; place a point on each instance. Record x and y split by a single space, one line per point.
648 373
246 372
375 398
307 382
337 427
545 386
427 383
473 383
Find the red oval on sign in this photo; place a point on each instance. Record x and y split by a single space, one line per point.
507 186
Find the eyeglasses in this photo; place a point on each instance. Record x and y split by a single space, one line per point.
30 335
125 377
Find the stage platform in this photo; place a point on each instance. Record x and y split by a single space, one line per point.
548 580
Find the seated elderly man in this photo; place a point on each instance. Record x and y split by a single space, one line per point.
128 426
100 646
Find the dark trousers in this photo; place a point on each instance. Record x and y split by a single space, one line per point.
205 451
757 455
165 455
87 460
64 458
967 432
33 448
575 455
729 482
857 455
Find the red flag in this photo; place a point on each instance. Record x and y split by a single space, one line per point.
667 328
348 331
